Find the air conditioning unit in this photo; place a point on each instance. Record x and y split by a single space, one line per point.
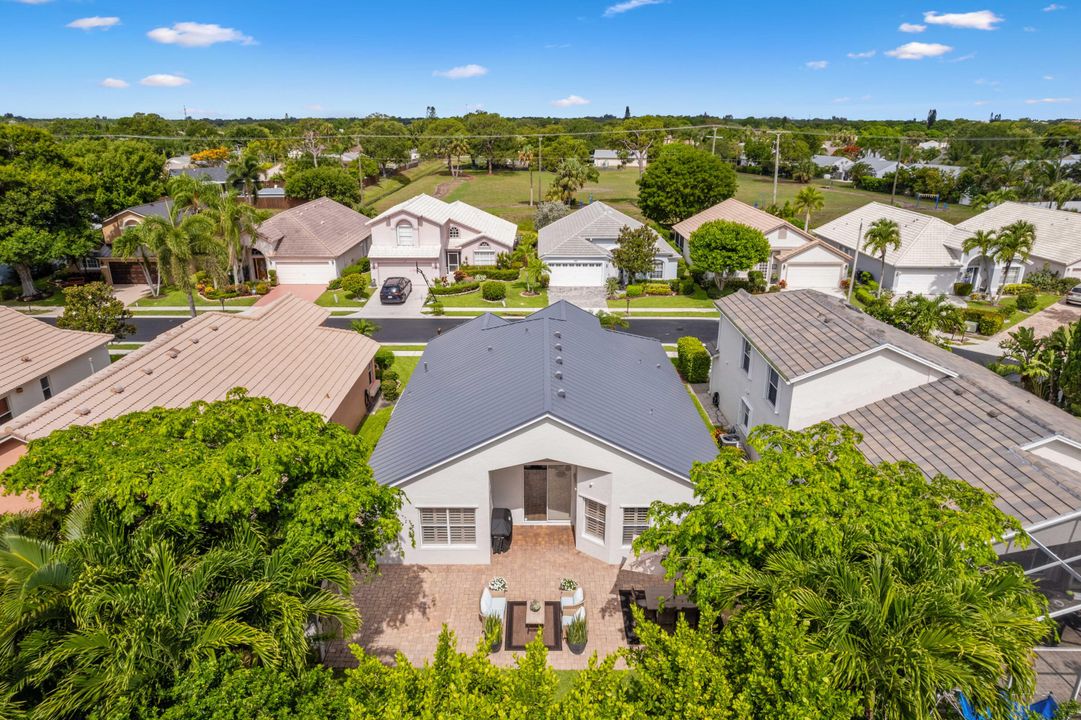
729 440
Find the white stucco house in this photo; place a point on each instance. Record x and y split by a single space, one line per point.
836 166
311 243
612 160
425 237
879 166
796 257
578 248
924 264
535 417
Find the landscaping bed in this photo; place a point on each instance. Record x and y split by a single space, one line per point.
514 299
1009 302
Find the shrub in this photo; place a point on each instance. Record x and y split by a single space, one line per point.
456 288
351 270
1026 301
1045 279
756 279
391 390
687 287
611 287
1016 288
692 358
674 285
490 272
1065 285
334 284
365 264
8 292
273 275
864 295
634 291
437 308
355 285
988 322
493 290
390 374
658 289
459 276
261 288
964 289
383 359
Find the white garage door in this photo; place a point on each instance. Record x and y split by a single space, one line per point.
576 274
386 270
924 282
821 277
313 273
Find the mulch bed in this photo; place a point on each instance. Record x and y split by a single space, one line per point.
518 636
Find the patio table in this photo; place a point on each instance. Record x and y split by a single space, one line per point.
534 618
654 596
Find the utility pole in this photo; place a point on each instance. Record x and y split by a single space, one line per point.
897 171
713 150
360 169
776 164
540 168
855 261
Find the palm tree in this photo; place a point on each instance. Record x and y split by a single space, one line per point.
365 327
236 225
1012 242
193 194
180 241
1063 192
882 236
923 317
571 175
244 174
533 273
809 200
458 146
131 244
983 243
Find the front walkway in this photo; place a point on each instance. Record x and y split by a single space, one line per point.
405 606
310 293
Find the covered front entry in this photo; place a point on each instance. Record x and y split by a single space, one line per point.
548 491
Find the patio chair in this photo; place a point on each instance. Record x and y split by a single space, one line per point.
573 607
490 605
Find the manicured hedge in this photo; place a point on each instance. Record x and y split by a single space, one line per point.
490 272
355 284
658 289
964 289
634 291
493 290
692 359
455 288
1017 288
988 322
1026 301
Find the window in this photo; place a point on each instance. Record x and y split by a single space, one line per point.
454 260
744 415
5 411
772 381
448 526
46 388
455 233
1013 275
762 267
484 255
745 357
404 233
635 522
91 264
594 519
658 270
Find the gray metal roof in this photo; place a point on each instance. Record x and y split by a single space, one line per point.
571 235
490 376
216 174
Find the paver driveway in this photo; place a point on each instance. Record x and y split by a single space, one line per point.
405 606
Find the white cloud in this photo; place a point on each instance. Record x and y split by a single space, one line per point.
570 101
1048 77
164 80
963 58
865 98
1053 7
980 102
556 46
985 81
862 55
94 23
911 27
193 34
33 2
115 83
919 51
462 71
841 99
623 7
1052 101
817 64
979 20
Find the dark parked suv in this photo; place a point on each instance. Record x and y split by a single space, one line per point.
395 290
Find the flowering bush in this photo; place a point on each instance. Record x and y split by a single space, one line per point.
568 584
499 584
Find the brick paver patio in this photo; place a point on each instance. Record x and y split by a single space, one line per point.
405 606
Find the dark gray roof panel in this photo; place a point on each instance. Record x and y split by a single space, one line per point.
490 376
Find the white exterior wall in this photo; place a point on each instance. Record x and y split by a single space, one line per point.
733 384
1063 453
60 378
492 477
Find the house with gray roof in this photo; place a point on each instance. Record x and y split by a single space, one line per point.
878 165
553 418
800 358
578 248
836 166
217 174
613 159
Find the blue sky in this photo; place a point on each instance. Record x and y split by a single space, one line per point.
865 59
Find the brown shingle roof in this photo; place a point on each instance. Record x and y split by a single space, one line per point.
280 351
321 228
736 211
32 348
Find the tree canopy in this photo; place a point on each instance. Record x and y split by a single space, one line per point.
333 182
634 251
723 247
682 180
93 308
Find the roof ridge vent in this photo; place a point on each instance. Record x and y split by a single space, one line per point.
559 359
25 358
172 353
117 389
561 393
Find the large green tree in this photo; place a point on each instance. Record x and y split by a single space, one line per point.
387 141
492 137
570 177
722 247
634 251
682 180
94 308
333 182
123 172
635 139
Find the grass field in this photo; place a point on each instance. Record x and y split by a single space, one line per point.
171 297
339 298
515 299
506 192
698 300
1043 301
54 300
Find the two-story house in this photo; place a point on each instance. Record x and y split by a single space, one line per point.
425 237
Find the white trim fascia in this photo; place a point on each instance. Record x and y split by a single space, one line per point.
1050 439
1037 526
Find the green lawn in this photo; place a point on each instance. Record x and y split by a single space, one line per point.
405 365
396 348
171 297
515 299
698 300
477 313
1043 301
54 300
339 298
373 425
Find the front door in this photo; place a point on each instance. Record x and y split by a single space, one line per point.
536 492
548 492
454 261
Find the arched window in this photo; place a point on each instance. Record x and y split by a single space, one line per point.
454 233
405 234
484 255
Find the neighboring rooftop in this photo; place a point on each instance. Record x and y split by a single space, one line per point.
605 154
216 173
1058 232
322 228
923 238
490 376
157 207
32 348
280 351
430 208
736 211
570 235
972 424
825 161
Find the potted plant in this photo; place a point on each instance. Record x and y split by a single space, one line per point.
567 587
493 631
577 635
497 586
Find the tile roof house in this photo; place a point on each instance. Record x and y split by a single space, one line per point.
280 351
128 271
813 266
425 237
923 264
312 243
568 423
578 247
